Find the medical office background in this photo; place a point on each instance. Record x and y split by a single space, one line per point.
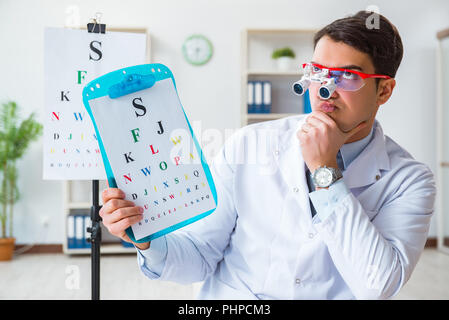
211 94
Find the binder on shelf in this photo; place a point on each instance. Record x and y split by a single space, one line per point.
79 231
258 96
266 102
87 223
307 106
71 232
250 97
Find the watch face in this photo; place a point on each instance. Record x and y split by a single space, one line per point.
323 177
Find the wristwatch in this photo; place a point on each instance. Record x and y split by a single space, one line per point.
324 176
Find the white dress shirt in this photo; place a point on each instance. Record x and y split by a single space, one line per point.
262 241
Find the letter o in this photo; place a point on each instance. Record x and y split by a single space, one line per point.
163 163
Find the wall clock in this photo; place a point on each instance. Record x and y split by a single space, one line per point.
197 49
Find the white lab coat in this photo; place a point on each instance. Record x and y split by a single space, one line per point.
262 242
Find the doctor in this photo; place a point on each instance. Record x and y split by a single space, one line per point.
316 206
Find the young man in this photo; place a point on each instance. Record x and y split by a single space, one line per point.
336 209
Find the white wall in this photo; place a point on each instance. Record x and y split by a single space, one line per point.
210 93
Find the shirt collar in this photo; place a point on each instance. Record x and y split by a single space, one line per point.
350 151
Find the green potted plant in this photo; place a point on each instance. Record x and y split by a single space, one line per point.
15 137
284 58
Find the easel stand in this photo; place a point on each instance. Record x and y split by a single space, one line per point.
95 230
95 241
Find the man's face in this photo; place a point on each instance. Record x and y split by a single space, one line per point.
352 107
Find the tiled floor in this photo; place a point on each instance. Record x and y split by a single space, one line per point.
57 276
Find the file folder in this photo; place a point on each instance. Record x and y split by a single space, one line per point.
87 223
258 98
71 232
307 106
79 231
266 97
250 97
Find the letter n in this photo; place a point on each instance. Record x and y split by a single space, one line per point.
127 178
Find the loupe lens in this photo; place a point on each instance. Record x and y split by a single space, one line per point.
324 93
298 89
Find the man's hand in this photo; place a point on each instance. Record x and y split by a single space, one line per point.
119 214
320 139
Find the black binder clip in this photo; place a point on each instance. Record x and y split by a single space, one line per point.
96 26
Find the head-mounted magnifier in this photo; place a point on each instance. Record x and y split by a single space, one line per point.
331 79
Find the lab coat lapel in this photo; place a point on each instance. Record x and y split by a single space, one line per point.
364 169
292 166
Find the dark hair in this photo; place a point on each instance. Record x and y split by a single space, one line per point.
382 42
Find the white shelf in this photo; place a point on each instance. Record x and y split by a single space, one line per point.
257 46
268 116
273 73
107 248
79 205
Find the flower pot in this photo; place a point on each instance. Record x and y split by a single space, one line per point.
6 248
284 63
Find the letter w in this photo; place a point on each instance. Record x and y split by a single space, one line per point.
146 171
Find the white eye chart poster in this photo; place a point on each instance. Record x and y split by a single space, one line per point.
72 58
152 155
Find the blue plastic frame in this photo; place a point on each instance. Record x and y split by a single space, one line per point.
99 87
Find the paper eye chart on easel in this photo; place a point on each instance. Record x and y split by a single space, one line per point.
73 58
149 149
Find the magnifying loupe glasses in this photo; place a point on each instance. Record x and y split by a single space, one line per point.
331 79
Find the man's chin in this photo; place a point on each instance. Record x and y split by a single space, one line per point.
337 119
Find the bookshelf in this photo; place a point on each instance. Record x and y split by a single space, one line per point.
257 46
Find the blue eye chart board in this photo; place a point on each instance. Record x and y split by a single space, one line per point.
149 149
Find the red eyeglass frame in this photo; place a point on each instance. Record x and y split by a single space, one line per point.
361 74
